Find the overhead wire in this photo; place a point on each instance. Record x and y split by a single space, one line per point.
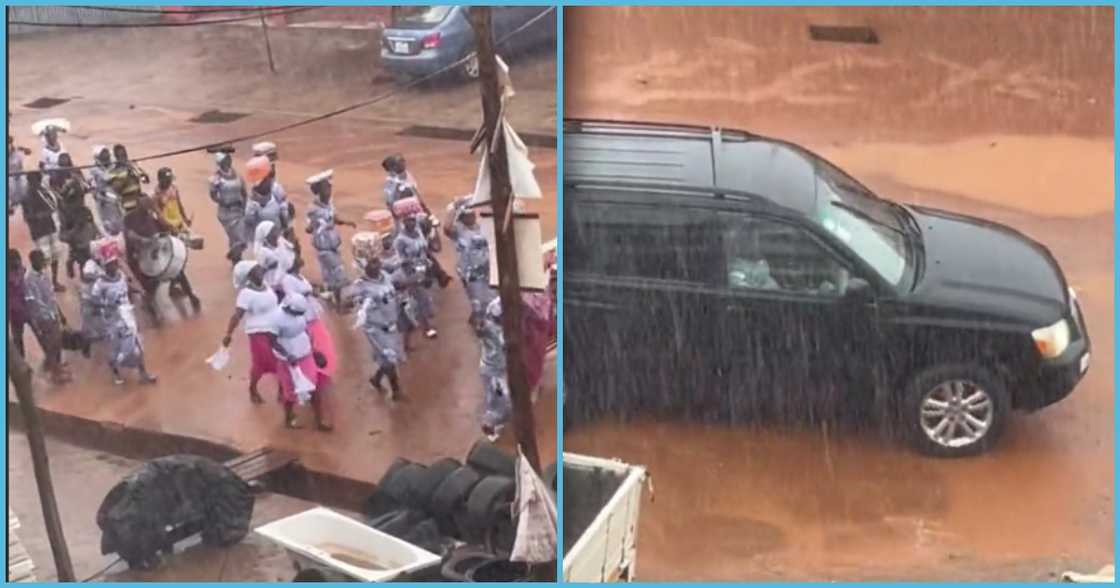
204 10
150 25
274 131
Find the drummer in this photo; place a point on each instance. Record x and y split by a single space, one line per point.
143 228
321 223
125 177
171 211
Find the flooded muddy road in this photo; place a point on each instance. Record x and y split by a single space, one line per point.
1000 113
136 104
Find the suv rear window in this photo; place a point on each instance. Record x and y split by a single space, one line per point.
419 17
639 241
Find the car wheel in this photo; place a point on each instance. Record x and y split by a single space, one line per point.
955 410
469 69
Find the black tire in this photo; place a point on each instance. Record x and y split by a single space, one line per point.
383 499
489 459
433 478
426 535
401 523
502 534
973 378
382 519
405 484
461 560
450 495
489 495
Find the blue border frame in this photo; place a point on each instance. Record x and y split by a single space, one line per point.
560 158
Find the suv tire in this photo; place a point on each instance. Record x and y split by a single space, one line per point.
964 404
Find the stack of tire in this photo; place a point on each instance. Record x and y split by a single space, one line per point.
448 501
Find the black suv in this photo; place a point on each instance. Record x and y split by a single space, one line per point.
718 275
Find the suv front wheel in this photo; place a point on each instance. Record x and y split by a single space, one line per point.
955 410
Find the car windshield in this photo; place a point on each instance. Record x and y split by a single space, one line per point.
419 16
869 226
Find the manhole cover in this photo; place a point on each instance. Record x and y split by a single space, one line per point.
426 132
46 102
217 116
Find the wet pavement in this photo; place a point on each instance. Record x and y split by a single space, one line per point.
138 104
994 112
82 478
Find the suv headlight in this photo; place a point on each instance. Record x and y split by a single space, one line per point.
1052 341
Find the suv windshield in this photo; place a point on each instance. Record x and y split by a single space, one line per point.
869 226
415 17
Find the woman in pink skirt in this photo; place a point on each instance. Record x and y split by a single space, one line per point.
255 302
321 342
292 345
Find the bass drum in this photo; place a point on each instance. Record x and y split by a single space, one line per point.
165 259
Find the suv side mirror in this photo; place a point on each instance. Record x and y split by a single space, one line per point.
859 290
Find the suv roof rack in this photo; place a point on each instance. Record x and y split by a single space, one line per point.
714 191
653 129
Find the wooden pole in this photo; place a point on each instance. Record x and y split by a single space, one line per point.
501 199
267 43
20 374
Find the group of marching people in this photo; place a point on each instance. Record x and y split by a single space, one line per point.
277 305
56 213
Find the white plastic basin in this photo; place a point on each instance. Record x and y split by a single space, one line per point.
347 546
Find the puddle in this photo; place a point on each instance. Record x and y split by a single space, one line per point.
350 557
46 102
218 117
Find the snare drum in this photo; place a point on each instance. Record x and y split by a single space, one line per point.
164 259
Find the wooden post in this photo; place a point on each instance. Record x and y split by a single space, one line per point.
501 199
267 43
20 374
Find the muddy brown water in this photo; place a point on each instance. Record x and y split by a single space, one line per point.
348 556
1003 113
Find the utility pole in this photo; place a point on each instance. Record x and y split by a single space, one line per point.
20 374
501 200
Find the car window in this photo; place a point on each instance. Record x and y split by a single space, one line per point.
419 16
765 254
639 241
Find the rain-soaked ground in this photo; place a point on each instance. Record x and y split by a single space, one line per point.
123 92
995 112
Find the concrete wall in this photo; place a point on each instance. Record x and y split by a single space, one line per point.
68 15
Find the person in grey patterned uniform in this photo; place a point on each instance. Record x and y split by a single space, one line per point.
227 190
321 224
